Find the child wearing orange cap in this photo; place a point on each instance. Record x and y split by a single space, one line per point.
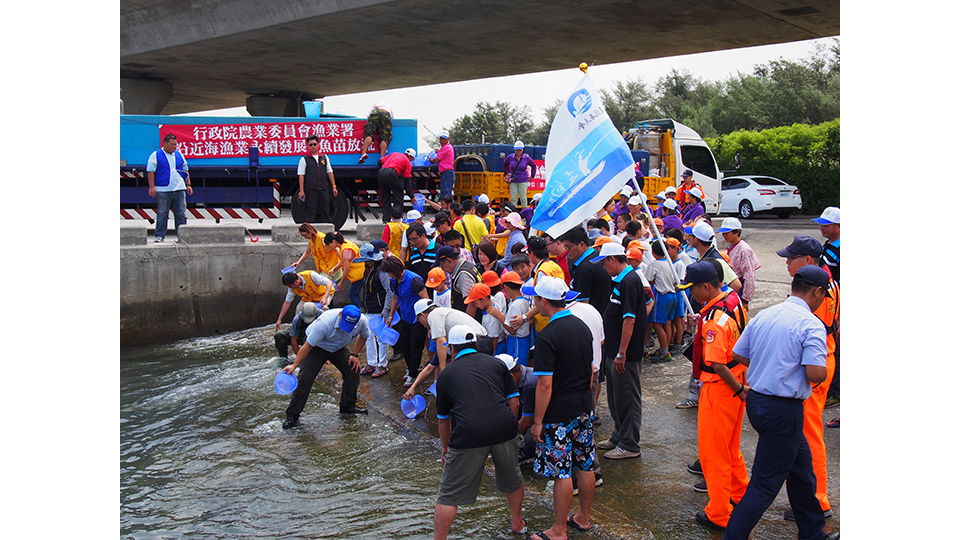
482 297
437 280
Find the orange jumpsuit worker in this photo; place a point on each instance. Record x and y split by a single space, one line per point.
802 251
720 418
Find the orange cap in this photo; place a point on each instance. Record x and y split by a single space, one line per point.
658 221
672 242
511 277
635 254
477 292
435 277
636 244
602 240
490 278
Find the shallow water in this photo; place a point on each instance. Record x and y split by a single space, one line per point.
203 455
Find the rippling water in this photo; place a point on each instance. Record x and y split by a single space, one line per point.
203 455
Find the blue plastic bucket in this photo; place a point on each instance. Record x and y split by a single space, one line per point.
284 383
433 388
412 407
388 335
418 202
311 109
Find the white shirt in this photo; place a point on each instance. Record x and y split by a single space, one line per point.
660 274
442 299
302 167
594 321
519 306
491 323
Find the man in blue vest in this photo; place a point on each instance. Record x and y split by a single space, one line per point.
169 183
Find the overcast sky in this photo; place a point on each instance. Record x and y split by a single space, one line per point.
437 106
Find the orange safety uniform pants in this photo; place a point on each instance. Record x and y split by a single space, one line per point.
719 422
813 431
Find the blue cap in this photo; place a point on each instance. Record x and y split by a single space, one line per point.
349 317
699 272
814 275
802 245
447 252
368 253
687 172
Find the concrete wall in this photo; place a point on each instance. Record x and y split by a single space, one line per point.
174 291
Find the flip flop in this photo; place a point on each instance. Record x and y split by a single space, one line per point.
542 535
522 530
573 523
363 158
835 423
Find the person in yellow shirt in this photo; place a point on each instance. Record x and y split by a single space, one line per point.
349 272
324 260
470 226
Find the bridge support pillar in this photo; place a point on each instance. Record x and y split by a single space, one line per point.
264 105
144 96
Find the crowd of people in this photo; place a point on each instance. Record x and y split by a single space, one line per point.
522 329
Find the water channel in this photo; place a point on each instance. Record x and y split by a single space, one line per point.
203 454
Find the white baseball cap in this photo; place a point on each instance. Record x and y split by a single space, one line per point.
696 193
422 305
461 334
635 201
518 145
412 216
670 203
537 197
670 189
444 134
410 152
483 198
703 231
608 249
508 360
661 196
550 288
831 214
730 224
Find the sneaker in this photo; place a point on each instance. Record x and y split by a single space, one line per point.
605 445
831 402
660 356
396 357
599 480
158 240
700 487
695 468
408 382
525 459
367 370
380 372
291 423
620 453
687 404
704 520
676 348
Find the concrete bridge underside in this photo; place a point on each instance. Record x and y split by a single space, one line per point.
185 55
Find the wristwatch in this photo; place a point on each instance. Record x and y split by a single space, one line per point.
621 355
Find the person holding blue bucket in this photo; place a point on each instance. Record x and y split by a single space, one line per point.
327 340
376 302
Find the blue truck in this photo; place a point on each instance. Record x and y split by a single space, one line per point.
246 167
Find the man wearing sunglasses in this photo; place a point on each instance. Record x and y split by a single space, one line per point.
315 191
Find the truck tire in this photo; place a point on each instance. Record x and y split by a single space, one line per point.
339 209
746 209
784 214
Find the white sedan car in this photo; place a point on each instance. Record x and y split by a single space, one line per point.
747 196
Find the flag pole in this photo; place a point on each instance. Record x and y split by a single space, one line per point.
659 238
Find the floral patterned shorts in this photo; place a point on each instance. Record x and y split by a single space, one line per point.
565 446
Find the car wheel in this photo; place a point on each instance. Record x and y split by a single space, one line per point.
784 214
746 209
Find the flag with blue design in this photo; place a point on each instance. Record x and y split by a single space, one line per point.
587 162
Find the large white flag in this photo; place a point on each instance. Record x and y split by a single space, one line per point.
587 162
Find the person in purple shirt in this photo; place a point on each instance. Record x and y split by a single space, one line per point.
670 218
515 173
695 207
527 213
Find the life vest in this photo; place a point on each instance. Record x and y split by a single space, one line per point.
456 298
376 294
356 269
729 305
161 178
310 291
325 260
397 230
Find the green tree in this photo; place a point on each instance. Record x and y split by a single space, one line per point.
627 103
497 123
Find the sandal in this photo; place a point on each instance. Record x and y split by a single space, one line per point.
835 423
363 158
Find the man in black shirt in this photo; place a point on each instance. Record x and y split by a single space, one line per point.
624 328
477 406
563 415
588 278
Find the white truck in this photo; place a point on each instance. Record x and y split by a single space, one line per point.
673 149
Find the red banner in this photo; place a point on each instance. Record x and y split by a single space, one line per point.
540 179
272 139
